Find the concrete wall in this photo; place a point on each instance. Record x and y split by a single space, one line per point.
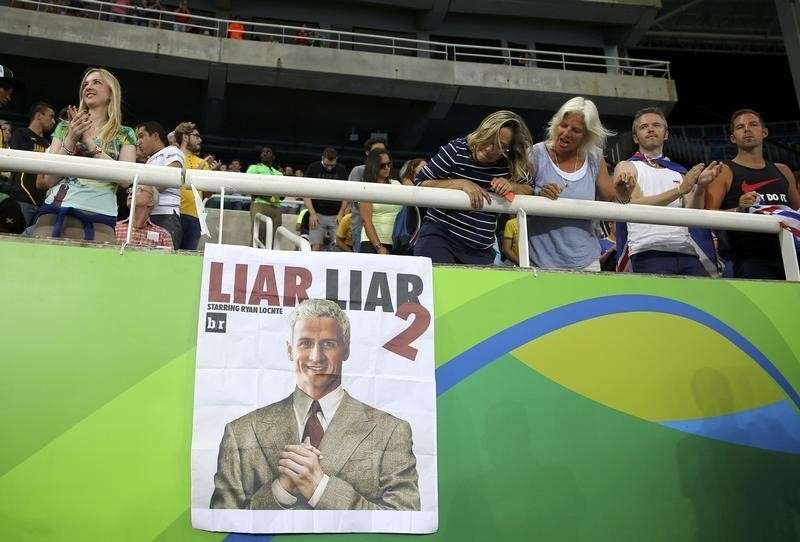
44 35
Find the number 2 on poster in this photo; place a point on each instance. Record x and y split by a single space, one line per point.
401 343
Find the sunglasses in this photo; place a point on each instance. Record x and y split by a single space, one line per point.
386 165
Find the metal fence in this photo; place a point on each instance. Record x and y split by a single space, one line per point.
336 39
522 206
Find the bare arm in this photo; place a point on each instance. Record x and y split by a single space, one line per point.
313 219
508 250
477 195
718 188
342 211
662 199
605 185
794 193
454 184
365 209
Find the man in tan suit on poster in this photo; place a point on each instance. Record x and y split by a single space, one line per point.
319 448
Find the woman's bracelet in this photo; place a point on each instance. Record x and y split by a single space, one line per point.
69 151
623 202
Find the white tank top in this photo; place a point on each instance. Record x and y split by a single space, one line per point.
642 237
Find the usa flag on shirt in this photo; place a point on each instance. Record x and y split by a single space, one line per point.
790 219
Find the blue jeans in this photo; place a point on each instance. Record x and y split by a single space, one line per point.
667 263
191 233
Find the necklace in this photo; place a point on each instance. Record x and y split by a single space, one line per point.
652 161
574 165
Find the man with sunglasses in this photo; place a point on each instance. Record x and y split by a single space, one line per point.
324 215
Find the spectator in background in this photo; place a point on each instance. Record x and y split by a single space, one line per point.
41 119
6 129
8 83
154 5
608 246
745 184
144 232
235 31
235 165
181 16
344 241
410 170
299 173
493 157
378 218
357 174
569 163
119 11
269 206
288 171
324 214
78 208
189 142
303 36
656 180
167 210
511 240
223 167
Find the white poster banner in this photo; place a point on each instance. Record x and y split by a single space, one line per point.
315 397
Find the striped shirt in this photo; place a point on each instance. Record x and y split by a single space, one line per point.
454 161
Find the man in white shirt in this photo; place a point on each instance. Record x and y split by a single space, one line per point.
154 145
654 248
319 448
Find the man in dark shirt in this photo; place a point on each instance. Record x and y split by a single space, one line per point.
324 215
34 138
746 182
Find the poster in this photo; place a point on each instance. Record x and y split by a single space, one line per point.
315 397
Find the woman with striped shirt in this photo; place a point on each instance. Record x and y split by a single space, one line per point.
491 158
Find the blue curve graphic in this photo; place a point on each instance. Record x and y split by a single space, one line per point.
483 353
773 427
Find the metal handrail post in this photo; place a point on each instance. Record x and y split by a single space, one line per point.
522 242
789 255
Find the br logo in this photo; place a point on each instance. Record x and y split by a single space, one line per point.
216 322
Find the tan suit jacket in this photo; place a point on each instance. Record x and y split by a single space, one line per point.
367 453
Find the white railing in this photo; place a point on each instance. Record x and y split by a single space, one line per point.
268 236
337 39
286 240
220 182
